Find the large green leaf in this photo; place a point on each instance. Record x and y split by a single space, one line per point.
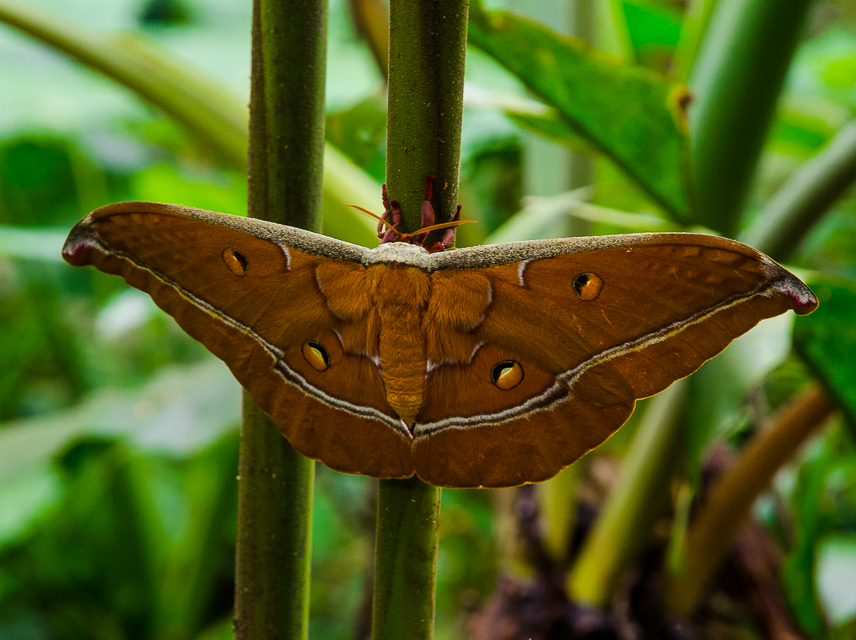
827 341
627 112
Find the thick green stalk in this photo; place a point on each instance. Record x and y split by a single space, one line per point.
634 504
408 517
286 156
736 83
805 197
427 49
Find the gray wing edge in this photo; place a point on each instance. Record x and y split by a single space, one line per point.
306 241
500 254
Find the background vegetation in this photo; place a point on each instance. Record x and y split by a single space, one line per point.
118 441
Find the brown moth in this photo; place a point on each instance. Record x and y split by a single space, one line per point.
489 366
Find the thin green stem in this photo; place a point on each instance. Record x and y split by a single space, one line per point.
615 34
286 156
635 502
695 23
736 82
712 532
556 499
427 46
211 113
805 197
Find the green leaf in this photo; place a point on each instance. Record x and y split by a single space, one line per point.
827 341
629 113
180 411
24 499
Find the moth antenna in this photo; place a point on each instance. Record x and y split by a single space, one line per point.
375 216
442 225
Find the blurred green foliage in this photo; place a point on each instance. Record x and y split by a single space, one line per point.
117 491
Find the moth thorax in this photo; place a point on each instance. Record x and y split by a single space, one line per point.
402 286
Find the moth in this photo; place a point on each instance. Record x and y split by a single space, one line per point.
488 366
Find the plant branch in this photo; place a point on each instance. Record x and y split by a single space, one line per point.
426 79
712 532
408 517
426 83
286 159
805 197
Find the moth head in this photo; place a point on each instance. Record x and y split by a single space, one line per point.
389 224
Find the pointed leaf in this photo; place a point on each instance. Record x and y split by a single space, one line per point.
629 113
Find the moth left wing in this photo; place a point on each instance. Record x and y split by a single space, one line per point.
589 325
285 309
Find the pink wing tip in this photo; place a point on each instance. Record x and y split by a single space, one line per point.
78 244
802 299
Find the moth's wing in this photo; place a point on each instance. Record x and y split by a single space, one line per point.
594 324
255 293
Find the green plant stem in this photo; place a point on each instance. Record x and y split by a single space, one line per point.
736 82
286 158
556 501
696 19
634 504
712 532
426 79
805 197
408 516
615 33
426 82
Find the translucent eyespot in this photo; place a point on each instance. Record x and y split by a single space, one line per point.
236 261
588 286
316 356
506 375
